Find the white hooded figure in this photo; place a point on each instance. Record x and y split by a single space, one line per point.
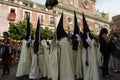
25 60
90 69
45 60
65 53
54 61
25 56
77 46
77 56
35 72
66 69
79 71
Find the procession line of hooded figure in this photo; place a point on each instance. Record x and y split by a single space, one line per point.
65 61
34 58
40 66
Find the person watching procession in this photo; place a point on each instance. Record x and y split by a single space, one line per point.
6 52
105 49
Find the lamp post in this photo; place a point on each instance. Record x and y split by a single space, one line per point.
50 5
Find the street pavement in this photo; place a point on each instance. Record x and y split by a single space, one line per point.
116 76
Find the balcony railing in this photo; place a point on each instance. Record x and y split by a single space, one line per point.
12 16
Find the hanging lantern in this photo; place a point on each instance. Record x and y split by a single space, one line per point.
51 3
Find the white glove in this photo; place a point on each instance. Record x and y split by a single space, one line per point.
78 37
29 40
88 39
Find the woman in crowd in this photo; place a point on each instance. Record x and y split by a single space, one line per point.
104 40
6 53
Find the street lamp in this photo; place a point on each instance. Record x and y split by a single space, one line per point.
51 3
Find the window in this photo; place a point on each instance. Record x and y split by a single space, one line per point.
12 14
25 3
26 15
31 5
41 19
69 20
12 10
51 21
86 3
76 3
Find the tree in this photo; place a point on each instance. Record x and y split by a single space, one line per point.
47 33
18 30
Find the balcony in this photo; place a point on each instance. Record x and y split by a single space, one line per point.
12 16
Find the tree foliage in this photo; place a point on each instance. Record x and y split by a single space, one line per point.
96 37
47 33
18 30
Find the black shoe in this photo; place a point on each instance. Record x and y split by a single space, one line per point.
110 75
107 77
116 71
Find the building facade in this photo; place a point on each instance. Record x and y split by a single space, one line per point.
115 24
12 11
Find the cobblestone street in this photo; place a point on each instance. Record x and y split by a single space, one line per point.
14 67
12 74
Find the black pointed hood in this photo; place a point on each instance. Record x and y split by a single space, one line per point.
28 30
76 26
86 28
85 44
76 31
37 37
50 3
60 30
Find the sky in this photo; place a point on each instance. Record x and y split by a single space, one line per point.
108 6
112 6
40 1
